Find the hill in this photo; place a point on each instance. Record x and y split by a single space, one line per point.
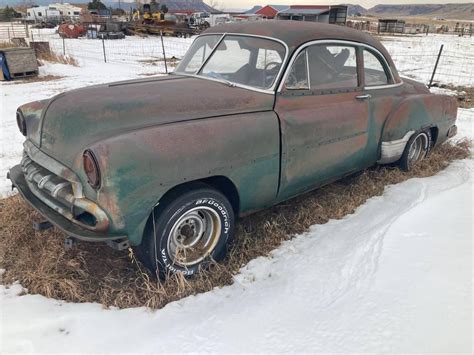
445 11
441 11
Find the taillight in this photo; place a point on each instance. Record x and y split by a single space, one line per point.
20 121
91 168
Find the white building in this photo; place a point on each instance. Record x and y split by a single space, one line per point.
42 13
67 10
53 12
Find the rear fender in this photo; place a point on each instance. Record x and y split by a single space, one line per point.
414 113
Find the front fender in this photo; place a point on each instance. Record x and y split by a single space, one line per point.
139 167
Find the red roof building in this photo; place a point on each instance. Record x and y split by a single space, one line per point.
270 11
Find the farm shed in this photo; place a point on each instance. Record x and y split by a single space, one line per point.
20 62
270 11
391 26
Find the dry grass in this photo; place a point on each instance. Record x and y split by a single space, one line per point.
95 273
6 44
464 94
56 58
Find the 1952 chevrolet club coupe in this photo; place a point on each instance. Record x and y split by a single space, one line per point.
254 114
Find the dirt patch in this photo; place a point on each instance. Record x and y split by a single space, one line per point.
34 79
95 273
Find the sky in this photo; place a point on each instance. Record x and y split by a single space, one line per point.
364 3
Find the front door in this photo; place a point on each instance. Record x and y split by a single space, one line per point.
324 117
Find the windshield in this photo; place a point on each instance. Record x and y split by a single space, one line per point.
238 59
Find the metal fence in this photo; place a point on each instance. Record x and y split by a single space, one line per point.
414 56
151 50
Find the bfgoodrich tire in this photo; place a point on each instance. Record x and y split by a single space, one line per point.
417 148
188 232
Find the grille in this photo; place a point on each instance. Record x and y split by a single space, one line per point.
57 193
53 190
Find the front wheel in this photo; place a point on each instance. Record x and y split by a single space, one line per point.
188 232
417 148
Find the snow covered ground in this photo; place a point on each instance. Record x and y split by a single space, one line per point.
395 276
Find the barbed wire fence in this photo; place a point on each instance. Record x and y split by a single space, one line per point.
415 57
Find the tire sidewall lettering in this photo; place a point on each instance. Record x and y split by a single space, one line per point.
164 259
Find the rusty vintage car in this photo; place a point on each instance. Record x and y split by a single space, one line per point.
254 114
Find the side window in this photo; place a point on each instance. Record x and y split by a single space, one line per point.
268 58
332 66
374 71
298 76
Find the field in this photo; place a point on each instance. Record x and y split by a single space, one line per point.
380 262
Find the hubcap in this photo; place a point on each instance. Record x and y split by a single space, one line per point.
418 149
194 236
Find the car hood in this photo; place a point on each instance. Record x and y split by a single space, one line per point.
70 122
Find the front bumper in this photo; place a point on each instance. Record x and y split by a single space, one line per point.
72 229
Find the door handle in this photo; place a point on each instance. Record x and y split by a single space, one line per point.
363 97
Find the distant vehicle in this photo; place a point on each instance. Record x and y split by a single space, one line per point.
44 24
71 30
255 114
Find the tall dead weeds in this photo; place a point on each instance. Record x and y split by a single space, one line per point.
95 273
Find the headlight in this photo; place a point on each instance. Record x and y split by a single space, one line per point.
91 168
20 121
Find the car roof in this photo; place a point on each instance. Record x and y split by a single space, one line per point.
295 33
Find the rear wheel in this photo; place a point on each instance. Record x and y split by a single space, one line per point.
188 232
417 148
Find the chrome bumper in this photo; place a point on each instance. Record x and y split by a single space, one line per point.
70 228
58 194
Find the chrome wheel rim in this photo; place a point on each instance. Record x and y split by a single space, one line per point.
194 236
418 149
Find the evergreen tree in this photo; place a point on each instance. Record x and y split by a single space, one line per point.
96 5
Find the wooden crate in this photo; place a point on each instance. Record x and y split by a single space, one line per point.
21 62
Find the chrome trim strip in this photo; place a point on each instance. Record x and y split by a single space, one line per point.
307 70
388 86
336 41
391 151
270 90
263 91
